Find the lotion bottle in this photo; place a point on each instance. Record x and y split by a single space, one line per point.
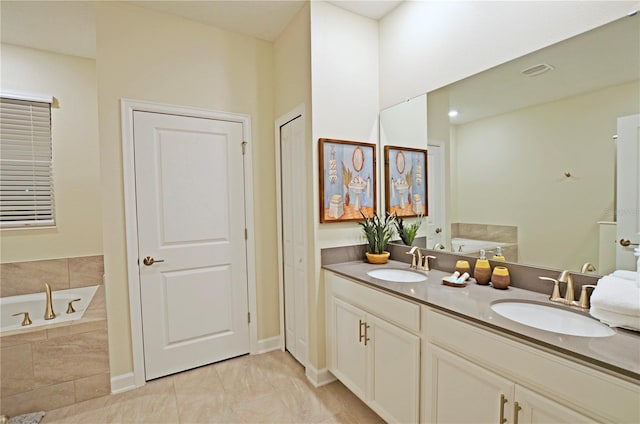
482 270
498 256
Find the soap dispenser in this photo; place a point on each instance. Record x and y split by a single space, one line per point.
498 256
482 270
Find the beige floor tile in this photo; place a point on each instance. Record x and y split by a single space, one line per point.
76 412
240 376
264 409
267 388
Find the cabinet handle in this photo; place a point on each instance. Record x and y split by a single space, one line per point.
360 334
366 338
516 409
503 400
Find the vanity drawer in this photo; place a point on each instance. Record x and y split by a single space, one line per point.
389 307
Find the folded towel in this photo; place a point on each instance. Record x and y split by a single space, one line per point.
617 295
613 319
627 275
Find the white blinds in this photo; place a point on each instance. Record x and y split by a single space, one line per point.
26 184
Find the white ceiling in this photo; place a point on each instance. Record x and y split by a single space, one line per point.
69 26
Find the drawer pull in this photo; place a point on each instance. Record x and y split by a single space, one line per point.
503 400
516 409
366 338
360 333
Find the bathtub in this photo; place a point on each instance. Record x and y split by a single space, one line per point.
464 245
35 304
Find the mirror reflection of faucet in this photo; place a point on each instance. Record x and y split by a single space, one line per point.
587 267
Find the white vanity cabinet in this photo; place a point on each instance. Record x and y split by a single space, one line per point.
474 375
373 347
464 392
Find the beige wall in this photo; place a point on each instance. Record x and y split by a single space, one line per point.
510 171
156 57
76 165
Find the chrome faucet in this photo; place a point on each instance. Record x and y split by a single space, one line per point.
48 313
438 246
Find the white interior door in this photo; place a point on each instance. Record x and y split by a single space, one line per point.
628 191
435 218
191 220
294 244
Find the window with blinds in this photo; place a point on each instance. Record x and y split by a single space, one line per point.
26 183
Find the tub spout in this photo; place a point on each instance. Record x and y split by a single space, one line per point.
48 313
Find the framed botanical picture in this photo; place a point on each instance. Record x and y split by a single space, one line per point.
405 181
347 180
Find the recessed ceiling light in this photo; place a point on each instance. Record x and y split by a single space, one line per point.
453 113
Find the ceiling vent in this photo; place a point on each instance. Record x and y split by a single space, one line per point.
534 70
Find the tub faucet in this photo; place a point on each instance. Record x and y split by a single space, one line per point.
438 246
48 313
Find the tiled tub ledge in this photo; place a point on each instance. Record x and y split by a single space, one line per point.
55 365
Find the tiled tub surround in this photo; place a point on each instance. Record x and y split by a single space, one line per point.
489 232
66 273
617 355
506 235
57 365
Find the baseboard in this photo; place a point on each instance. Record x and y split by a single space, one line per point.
318 377
267 345
122 383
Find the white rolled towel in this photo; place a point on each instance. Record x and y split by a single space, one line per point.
617 295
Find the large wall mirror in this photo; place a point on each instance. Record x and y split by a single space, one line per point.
528 163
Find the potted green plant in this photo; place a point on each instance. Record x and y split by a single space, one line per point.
378 233
408 232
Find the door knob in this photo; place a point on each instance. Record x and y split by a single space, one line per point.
627 243
438 230
148 261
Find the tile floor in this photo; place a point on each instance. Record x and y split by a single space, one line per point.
267 388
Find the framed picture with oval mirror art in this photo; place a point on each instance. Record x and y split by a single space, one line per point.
405 174
347 180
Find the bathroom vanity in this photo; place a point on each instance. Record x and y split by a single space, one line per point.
426 352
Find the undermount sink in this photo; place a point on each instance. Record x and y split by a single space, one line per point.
552 319
397 275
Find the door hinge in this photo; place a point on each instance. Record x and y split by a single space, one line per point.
246 234
244 147
249 317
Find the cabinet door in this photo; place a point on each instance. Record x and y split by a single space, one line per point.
463 392
349 352
394 356
537 409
